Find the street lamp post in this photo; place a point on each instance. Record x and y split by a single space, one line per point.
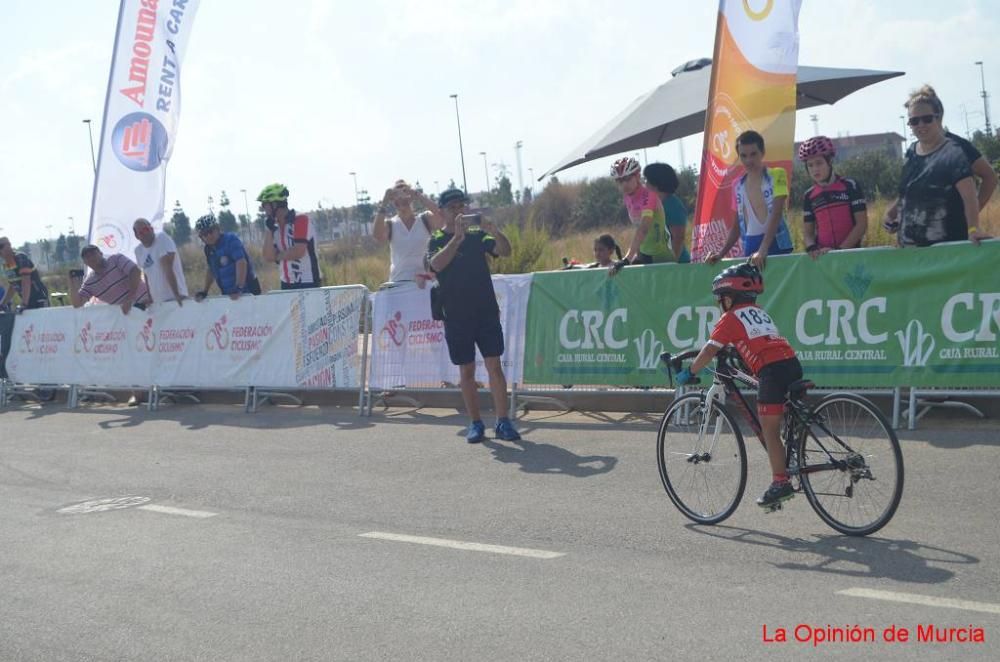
357 198
48 235
905 126
486 171
520 179
815 120
246 207
986 103
90 132
355 176
531 178
461 150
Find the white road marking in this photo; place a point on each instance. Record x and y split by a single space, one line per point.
103 505
169 510
927 600
467 546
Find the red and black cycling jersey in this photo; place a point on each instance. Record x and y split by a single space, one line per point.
832 208
749 329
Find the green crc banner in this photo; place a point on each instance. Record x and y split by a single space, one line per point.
885 317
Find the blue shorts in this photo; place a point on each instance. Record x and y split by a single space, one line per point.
752 243
463 335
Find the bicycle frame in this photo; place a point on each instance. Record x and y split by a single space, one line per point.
797 417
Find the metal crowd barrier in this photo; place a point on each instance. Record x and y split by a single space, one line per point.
923 400
522 396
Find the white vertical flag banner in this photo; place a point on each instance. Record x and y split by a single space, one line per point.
140 119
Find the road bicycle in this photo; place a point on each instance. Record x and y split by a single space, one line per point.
841 452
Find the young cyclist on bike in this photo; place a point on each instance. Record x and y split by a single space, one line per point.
834 213
769 357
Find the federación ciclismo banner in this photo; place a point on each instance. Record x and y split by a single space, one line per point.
927 317
140 119
753 87
408 346
301 339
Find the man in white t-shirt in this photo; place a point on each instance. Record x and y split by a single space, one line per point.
156 255
407 232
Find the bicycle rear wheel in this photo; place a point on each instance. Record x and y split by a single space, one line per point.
851 465
702 459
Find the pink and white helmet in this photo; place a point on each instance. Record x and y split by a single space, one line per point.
625 167
817 146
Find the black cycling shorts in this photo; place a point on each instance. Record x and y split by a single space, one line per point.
775 378
463 335
642 258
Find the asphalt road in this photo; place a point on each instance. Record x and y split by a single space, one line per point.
276 537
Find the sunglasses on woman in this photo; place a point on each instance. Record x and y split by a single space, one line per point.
926 119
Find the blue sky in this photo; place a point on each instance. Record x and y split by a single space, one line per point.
306 91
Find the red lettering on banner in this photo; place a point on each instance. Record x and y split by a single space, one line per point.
171 347
252 331
245 345
425 338
142 50
425 325
176 334
319 338
322 378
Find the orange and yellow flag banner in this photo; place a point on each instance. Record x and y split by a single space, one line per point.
753 87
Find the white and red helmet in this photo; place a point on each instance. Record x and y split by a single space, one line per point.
817 146
625 167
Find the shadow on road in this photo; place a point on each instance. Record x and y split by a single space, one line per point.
548 459
200 417
847 556
554 420
966 436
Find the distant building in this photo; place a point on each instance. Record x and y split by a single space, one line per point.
848 147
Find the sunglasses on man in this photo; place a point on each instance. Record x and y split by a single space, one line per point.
926 119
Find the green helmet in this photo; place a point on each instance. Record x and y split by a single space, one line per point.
274 193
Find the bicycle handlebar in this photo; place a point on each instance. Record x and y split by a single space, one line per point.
675 363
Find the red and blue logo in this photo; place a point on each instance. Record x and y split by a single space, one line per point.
139 141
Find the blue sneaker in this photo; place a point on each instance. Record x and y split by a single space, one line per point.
505 430
476 432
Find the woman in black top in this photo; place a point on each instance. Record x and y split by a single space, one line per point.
937 194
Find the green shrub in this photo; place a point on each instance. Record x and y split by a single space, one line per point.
529 247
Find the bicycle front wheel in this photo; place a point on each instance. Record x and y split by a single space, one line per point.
851 465
702 459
